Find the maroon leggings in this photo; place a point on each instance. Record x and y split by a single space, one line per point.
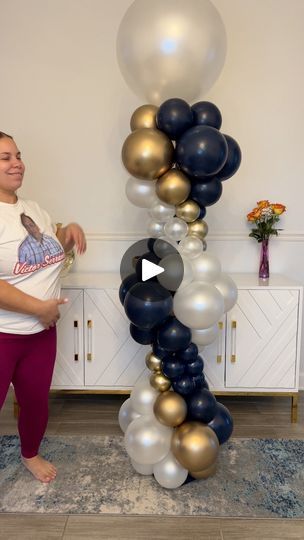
27 361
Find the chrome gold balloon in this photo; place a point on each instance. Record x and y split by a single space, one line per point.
153 362
195 446
160 382
188 211
210 471
173 187
147 153
198 228
144 117
170 409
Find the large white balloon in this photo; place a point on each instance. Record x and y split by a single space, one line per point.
198 305
147 441
204 336
169 473
142 469
141 192
143 396
228 289
171 48
126 415
206 267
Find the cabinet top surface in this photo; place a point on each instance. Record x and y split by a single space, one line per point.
112 280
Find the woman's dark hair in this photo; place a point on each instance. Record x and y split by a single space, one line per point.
5 135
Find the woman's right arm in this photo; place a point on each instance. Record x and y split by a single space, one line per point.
46 311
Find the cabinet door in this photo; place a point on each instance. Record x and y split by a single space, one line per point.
112 358
214 359
69 366
261 339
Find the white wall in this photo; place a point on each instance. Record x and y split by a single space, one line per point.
65 102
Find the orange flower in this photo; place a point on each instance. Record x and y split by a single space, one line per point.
263 204
255 214
250 216
278 209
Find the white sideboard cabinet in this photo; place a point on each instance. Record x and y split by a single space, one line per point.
257 350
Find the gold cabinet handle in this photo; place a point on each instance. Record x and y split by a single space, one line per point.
76 341
219 343
233 342
89 349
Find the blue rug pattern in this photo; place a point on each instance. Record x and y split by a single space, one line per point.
255 478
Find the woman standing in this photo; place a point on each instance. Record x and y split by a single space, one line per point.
31 258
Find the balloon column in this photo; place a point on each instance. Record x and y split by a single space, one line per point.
177 158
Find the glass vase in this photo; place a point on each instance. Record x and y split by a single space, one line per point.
264 260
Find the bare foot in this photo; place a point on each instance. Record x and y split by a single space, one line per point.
40 468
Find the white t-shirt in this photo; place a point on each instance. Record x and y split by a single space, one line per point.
32 265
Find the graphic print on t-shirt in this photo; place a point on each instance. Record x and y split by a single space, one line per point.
37 250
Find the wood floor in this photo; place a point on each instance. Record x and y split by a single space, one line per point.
97 414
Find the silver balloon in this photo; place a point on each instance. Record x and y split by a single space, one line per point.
169 473
188 273
143 397
155 229
141 192
176 228
164 246
171 48
191 246
206 267
204 336
147 441
161 212
198 305
173 273
142 469
126 415
228 289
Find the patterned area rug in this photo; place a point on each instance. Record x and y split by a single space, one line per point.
255 478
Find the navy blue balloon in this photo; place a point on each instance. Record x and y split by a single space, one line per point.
206 193
206 113
201 151
174 117
184 385
159 351
196 367
148 304
151 243
126 284
202 406
189 354
222 423
172 368
173 335
202 213
233 160
200 382
142 335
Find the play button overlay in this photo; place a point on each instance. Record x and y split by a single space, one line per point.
149 270
152 261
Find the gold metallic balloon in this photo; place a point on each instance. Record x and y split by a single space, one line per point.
198 228
147 153
173 187
195 446
170 409
144 117
153 362
188 211
210 471
160 382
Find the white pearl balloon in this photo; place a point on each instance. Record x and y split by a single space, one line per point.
155 229
171 48
161 212
169 473
191 246
228 289
126 415
141 192
204 336
176 228
206 267
142 469
143 397
188 273
198 305
147 441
